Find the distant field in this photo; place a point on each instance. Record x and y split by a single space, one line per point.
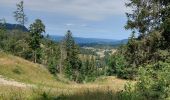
43 83
101 51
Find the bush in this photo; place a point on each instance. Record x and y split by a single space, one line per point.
153 84
17 70
52 67
154 81
128 93
118 66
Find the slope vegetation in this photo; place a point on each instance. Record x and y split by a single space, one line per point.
21 70
22 80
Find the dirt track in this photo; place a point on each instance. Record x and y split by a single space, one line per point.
5 81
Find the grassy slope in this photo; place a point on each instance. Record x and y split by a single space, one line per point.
21 70
24 71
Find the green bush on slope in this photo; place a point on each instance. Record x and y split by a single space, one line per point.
153 83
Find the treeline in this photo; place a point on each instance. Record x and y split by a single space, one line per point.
146 57
35 45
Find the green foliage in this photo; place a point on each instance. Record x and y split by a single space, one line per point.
150 19
166 32
153 83
139 53
76 69
50 55
119 66
36 29
2 32
144 17
21 44
89 69
52 67
17 70
129 93
72 62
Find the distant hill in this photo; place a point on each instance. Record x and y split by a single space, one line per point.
79 40
9 26
92 41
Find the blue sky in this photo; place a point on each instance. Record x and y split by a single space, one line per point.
85 18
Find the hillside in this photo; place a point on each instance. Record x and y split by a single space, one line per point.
21 70
24 71
10 27
15 70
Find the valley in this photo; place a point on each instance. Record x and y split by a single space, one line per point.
85 50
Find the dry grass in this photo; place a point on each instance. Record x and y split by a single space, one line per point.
16 93
24 71
104 88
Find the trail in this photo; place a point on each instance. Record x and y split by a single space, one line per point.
10 82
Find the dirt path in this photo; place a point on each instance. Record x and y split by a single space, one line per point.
5 81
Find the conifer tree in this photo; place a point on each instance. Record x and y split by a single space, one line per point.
19 14
36 29
2 32
72 62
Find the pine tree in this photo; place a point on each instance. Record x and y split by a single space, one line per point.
19 14
36 29
2 32
72 62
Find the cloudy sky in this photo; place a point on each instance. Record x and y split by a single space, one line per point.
85 18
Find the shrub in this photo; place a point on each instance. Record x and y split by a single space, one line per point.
129 93
116 64
153 84
119 66
154 81
17 70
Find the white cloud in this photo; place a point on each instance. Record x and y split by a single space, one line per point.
82 9
69 24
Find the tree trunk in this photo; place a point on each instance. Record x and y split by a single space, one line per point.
35 57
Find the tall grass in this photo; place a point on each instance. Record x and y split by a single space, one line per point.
27 72
41 93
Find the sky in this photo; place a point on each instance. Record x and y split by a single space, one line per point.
85 18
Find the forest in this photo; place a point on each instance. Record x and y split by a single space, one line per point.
144 61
